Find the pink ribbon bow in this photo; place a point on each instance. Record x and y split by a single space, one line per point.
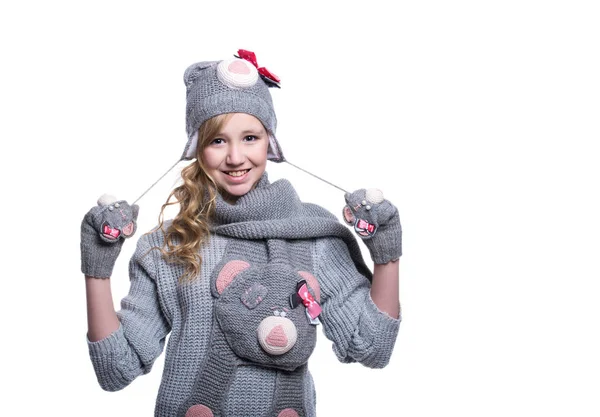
365 225
251 57
312 306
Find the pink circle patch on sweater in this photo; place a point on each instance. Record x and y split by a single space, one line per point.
238 67
277 337
288 412
199 410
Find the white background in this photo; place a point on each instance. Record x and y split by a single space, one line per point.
478 119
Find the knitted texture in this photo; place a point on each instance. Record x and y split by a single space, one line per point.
211 91
276 212
159 305
377 222
257 336
103 230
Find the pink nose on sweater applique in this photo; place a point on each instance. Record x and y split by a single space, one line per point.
238 67
277 337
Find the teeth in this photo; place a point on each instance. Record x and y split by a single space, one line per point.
237 173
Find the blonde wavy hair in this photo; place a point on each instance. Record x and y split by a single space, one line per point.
196 196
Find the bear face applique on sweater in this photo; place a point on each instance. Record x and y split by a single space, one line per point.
265 312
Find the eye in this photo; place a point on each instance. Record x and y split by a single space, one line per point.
276 312
253 295
217 141
250 138
283 314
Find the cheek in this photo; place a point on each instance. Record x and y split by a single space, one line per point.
258 154
211 158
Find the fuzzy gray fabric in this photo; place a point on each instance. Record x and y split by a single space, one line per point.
99 250
208 96
158 305
385 244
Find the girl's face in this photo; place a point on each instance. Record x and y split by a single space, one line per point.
236 156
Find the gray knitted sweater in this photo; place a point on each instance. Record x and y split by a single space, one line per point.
213 356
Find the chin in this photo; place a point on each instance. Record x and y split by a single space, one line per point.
233 192
238 191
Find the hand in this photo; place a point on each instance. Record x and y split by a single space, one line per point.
377 222
103 231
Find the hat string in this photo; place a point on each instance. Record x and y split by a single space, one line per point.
155 182
295 166
316 176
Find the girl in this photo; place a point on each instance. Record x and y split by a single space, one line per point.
244 274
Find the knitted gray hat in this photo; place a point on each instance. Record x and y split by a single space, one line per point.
235 85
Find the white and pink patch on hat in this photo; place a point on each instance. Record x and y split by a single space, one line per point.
237 73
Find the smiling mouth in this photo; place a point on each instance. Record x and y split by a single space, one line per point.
237 173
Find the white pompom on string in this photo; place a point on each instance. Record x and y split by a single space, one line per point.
374 195
106 200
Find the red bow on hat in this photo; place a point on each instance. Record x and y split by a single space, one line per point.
266 75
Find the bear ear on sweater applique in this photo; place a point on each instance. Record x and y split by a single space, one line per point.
229 271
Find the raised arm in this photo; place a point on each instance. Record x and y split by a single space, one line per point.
124 344
377 222
103 231
385 288
101 316
142 326
359 329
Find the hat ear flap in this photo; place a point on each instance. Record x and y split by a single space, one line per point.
193 71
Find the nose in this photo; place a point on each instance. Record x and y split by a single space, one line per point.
235 155
277 335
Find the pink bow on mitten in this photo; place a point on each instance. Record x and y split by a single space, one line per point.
103 231
377 222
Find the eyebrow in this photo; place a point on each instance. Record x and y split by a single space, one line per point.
252 132
244 132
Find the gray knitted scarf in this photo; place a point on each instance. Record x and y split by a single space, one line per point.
274 211
265 267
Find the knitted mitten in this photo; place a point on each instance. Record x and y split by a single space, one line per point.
103 231
377 222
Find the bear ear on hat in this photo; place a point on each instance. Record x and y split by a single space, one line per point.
194 70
